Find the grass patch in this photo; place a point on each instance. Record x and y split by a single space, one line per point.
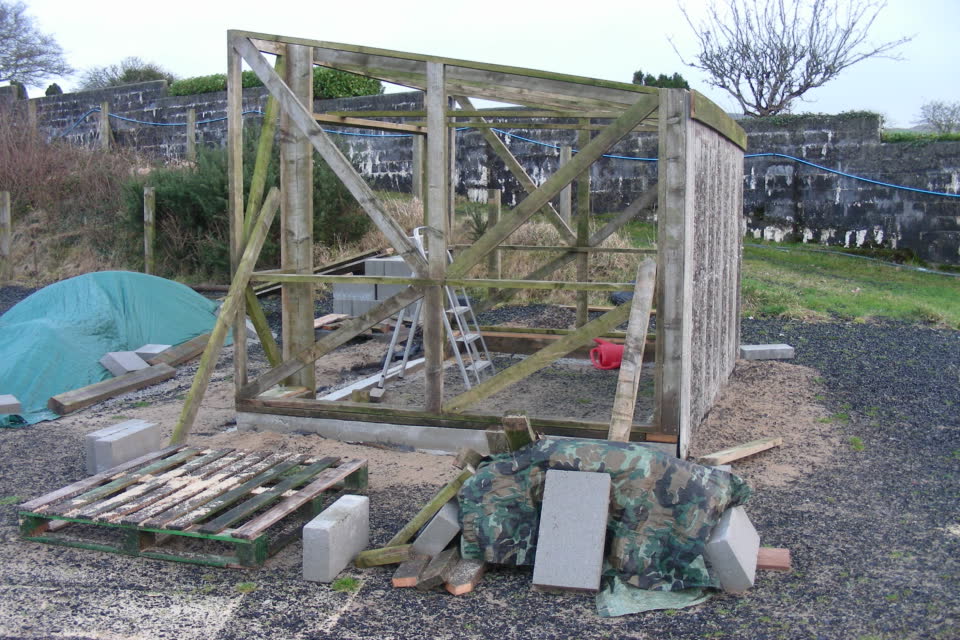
246 587
345 584
809 285
10 500
857 444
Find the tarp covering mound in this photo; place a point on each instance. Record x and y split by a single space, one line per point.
52 341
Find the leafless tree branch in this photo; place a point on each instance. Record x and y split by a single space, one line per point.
26 55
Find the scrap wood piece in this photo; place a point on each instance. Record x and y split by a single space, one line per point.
70 401
440 569
467 459
281 391
385 555
518 431
740 451
330 318
408 573
429 510
773 559
178 354
466 576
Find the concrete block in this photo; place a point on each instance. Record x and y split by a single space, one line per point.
118 443
392 266
333 538
343 291
121 362
343 306
440 531
373 267
362 306
731 551
766 352
724 467
148 351
385 291
9 405
573 529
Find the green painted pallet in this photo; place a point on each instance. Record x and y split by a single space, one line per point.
219 507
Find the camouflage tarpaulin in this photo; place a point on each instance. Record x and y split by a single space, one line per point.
661 511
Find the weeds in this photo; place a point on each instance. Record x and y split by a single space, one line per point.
346 583
246 587
857 444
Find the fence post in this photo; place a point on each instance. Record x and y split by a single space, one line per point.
566 194
417 169
149 228
104 127
191 135
6 231
32 116
494 264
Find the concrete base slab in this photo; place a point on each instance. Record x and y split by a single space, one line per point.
9 405
333 538
731 551
425 438
766 352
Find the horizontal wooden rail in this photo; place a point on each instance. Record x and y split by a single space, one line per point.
531 247
482 283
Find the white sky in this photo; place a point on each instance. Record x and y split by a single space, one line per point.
610 39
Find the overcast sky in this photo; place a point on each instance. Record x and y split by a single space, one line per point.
608 39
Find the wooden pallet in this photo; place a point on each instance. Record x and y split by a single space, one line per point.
220 507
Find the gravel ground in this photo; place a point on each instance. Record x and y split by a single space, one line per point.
875 536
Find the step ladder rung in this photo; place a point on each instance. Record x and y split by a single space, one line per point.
458 310
479 365
468 338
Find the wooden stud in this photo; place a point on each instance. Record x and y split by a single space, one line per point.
465 576
296 218
566 194
149 228
262 326
418 175
235 201
439 569
539 360
103 125
408 573
518 432
467 459
583 231
6 237
268 131
494 260
497 440
731 454
228 313
625 400
178 354
516 169
385 555
70 401
772 559
191 147
551 187
365 123
437 211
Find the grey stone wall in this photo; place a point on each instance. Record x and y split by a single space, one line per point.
782 198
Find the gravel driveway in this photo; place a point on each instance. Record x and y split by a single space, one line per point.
875 537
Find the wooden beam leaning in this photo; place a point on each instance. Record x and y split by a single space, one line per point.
347 331
437 209
365 123
539 360
518 172
228 313
235 202
303 120
564 176
625 400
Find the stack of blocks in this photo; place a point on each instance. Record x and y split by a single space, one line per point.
333 538
355 299
121 443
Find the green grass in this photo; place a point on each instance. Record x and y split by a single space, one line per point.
246 587
811 286
345 584
857 444
10 500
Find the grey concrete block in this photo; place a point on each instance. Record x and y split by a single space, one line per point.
121 362
573 529
118 443
766 352
148 351
385 291
9 405
440 531
362 306
343 306
731 551
335 537
343 291
724 467
391 266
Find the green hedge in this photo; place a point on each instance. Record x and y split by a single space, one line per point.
327 83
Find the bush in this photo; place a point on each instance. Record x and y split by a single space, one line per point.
53 90
327 83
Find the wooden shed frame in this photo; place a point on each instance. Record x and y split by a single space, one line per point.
698 198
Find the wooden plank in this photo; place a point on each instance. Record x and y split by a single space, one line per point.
725 456
285 392
566 194
258 180
329 318
365 123
149 228
70 401
338 163
183 352
466 576
518 172
771 559
552 186
429 510
494 260
265 471
518 432
628 380
324 481
710 114
408 573
259 320
386 555
190 153
552 285
6 236
88 483
539 360
228 311
344 334
249 507
235 201
439 569
583 231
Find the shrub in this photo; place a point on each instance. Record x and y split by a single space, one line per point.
53 90
327 83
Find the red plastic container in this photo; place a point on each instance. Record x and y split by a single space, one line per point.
606 355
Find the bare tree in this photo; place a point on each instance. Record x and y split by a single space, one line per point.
942 117
26 55
768 53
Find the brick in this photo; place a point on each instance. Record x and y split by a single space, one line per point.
440 531
573 529
148 351
119 443
9 405
121 362
766 352
731 551
333 538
